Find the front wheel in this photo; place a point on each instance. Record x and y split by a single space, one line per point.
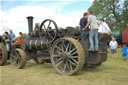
18 58
67 56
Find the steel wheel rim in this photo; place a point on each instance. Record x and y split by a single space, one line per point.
1 55
65 62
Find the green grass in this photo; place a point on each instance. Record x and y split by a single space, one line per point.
111 72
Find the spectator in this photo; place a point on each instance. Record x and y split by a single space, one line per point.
93 31
20 39
104 28
12 37
113 46
124 50
83 22
7 41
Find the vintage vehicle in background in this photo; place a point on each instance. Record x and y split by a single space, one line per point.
125 36
63 48
121 35
117 34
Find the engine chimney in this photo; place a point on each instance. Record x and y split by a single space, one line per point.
30 24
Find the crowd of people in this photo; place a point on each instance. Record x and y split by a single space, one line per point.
10 39
89 28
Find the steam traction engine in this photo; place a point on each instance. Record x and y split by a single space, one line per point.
62 47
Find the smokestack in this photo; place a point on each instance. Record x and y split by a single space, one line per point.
30 24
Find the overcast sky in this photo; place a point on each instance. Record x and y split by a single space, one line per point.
65 13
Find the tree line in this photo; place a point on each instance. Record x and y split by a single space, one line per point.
114 12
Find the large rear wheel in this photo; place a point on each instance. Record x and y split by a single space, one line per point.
3 54
18 58
67 56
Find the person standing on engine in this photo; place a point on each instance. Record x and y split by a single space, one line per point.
104 28
93 33
83 22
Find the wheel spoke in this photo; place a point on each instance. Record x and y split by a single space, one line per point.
74 60
64 68
74 53
14 62
70 47
71 50
13 57
45 27
73 56
59 48
63 45
67 47
59 63
50 36
72 63
68 66
60 59
49 24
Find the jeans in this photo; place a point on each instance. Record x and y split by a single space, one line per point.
93 33
84 35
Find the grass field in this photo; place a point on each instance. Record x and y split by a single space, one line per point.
111 72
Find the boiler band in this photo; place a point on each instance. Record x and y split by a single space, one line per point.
36 44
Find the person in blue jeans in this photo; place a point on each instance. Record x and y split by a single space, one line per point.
92 21
124 50
82 23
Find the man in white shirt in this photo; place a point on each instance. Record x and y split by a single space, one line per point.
104 28
113 46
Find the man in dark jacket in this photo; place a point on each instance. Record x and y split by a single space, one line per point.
83 22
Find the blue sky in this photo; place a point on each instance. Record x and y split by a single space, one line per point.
73 4
64 12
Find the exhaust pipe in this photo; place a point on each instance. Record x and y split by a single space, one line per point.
30 24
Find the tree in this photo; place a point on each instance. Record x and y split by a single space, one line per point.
125 13
112 11
77 27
